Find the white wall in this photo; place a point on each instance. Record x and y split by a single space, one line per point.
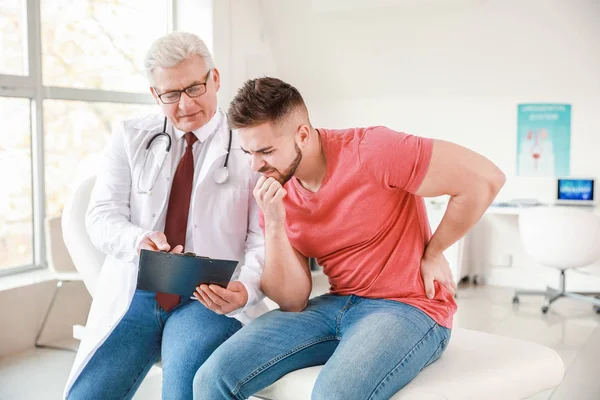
241 45
195 16
454 70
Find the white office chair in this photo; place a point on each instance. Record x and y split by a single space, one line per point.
476 365
87 258
62 268
562 238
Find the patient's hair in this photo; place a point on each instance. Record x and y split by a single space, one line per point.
265 100
171 49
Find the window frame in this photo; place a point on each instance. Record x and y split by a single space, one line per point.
30 86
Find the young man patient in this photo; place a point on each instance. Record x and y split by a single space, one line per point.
353 199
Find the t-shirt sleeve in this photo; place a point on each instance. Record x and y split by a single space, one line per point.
395 159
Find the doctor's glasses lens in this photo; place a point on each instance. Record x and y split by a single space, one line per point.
174 96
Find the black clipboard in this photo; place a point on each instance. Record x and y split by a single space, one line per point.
177 273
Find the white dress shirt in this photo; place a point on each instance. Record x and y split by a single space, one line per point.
204 134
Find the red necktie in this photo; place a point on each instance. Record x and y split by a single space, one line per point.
178 210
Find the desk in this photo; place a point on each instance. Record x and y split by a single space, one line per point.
495 253
493 242
469 262
505 210
516 210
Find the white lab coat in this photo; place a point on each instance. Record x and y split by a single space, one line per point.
225 218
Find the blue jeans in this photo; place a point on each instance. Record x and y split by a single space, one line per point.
372 348
183 337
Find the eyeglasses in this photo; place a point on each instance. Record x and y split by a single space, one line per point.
192 91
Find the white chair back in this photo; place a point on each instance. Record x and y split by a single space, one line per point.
560 237
59 260
87 258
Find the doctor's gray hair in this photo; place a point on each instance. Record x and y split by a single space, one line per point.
171 49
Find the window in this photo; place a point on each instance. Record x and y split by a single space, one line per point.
74 131
16 218
99 44
63 84
13 39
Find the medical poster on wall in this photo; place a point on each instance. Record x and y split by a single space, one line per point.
543 140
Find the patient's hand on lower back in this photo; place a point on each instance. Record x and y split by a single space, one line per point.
436 268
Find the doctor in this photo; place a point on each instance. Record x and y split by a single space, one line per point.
171 182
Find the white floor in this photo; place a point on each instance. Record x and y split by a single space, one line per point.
571 328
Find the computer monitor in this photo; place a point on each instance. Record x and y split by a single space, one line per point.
575 191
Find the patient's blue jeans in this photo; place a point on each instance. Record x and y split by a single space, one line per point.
184 337
372 349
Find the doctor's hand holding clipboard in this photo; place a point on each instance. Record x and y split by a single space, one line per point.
157 241
221 300
214 297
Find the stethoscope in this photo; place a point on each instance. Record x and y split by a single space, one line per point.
163 140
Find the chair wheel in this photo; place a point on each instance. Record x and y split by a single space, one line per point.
597 309
545 309
516 300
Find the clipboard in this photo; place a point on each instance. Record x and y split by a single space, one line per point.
176 273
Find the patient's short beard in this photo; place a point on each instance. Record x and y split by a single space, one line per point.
289 171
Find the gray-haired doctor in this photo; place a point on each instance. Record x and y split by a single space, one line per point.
176 181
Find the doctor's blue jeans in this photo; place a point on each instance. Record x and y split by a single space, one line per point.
372 348
183 337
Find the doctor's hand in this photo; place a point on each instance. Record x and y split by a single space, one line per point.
269 195
436 268
157 241
221 300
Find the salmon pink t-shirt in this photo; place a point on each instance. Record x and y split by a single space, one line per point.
365 226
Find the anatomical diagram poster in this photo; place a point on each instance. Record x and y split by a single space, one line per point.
543 139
